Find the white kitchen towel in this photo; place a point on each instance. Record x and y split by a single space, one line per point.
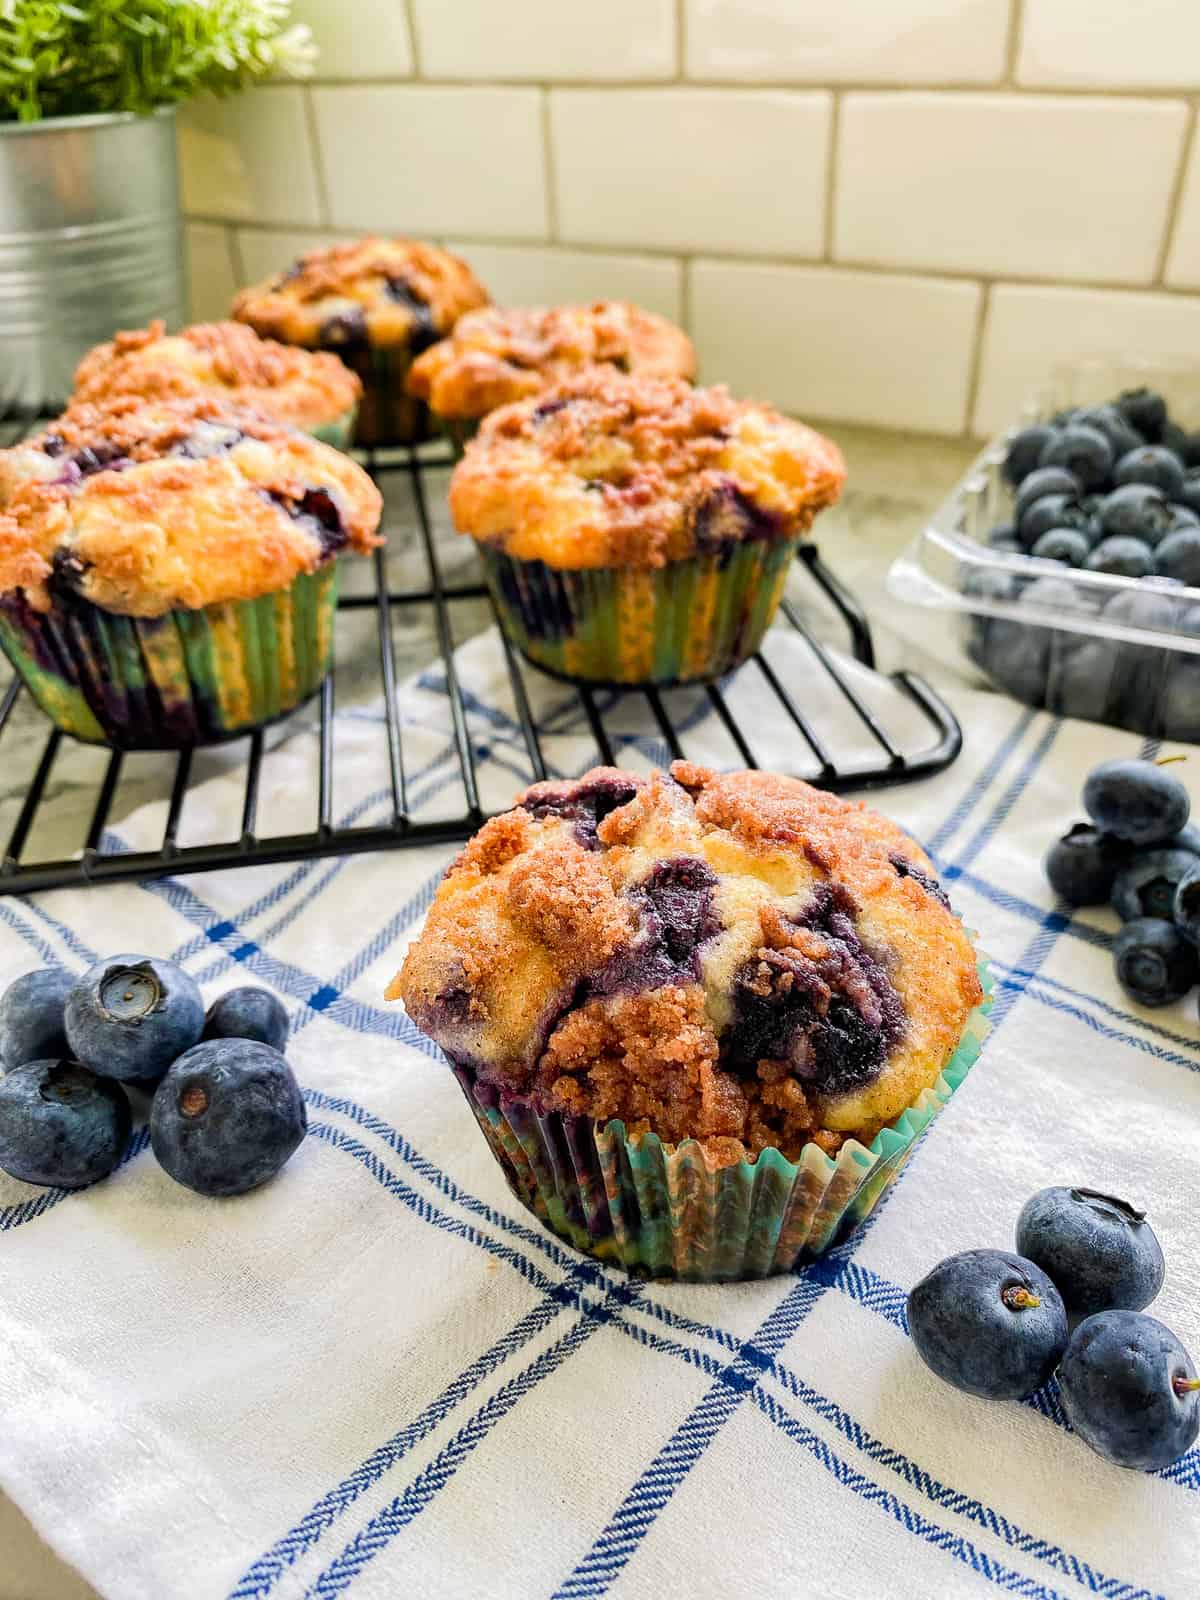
379 1376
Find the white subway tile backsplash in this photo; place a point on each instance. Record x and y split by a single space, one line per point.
1032 186
824 342
261 252
1183 263
430 159
249 157
840 41
372 43
516 275
211 279
692 169
1079 44
1032 329
559 39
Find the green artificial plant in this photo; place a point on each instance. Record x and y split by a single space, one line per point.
64 60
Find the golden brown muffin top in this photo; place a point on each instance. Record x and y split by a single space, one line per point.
140 507
607 470
300 387
382 292
739 959
501 354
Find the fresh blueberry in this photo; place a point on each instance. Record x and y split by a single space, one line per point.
1186 906
1136 800
1143 667
1008 547
988 1322
1109 421
1189 494
1063 418
1024 450
1082 450
61 1126
1154 963
1143 410
1002 535
1085 679
1123 558
227 1116
130 1016
248 1013
1100 1253
1134 511
1050 511
1082 866
1178 556
1188 450
1063 544
1044 481
986 584
1019 652
31 1016
1173 438
1129 1390
1154 465
1145 885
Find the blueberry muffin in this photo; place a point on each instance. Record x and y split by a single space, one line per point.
376 302
638 530
700 1018
168 570
499 355
306 389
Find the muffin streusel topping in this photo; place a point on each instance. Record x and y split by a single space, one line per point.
141 507
301 387
501 354
383 292
740 959
606 470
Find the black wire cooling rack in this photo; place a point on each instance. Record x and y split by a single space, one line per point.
793 740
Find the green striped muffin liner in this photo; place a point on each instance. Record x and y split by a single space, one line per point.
661 1211
688 621
186 678
338 431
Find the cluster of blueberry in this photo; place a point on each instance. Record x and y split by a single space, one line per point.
226 1112
996 1325
1111 489
1140 854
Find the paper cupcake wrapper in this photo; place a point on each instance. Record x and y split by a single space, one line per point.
688 621
186 678
387 414
338 431
661 1211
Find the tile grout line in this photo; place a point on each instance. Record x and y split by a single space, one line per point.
414 46
1171 221
680 41
832 160
1012 45
548 164
999 88
975 364
318 158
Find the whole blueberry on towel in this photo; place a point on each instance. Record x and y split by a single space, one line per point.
31 1016
1082 450
1130 1391
1147 883
1185 911
1136 800
1100 1252
1082 866
227 1116
61 1126
1024 451
248 1013
1154 465
988 1322
1154 963
129 1016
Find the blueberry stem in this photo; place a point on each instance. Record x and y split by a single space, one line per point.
1017 1298
1184 1386
1165 761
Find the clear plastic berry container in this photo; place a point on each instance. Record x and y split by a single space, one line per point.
1118 650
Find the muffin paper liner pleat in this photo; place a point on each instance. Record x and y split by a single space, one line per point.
186 678
690 620
662 1211
338 431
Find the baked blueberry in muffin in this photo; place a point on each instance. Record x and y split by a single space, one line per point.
639 530
501 354
168 570
306 389
740 960
378 303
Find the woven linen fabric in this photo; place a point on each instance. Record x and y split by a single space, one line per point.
378 1376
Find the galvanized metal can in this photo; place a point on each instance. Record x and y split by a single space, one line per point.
89 242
